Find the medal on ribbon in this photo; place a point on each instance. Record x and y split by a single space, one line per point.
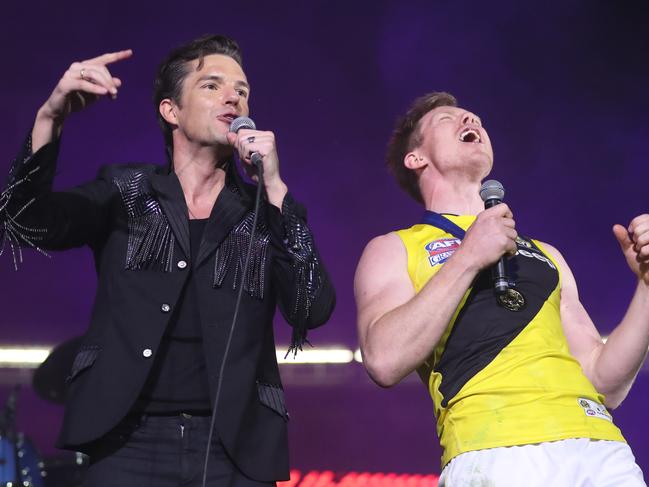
510 298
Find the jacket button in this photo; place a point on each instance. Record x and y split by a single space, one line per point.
165 308
147 352
181 264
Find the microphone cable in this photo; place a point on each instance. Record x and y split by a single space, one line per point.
217 396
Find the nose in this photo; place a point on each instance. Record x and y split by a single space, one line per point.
231 96
470 118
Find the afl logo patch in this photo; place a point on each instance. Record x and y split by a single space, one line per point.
594 409
440 250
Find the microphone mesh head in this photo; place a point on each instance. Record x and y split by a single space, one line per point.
242 123
491 190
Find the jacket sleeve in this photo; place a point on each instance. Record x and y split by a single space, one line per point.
305 293
33 216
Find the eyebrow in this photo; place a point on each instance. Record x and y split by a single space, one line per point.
216 77
440 112
450 112
446 111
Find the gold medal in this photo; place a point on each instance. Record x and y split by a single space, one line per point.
511 300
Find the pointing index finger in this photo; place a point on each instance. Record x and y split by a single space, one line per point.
111 57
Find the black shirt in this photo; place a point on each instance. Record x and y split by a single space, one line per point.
178 379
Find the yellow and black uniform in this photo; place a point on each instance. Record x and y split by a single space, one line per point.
499 377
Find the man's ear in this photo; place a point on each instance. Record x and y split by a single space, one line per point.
167 109
414 161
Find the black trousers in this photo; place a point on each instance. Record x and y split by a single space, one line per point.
162 451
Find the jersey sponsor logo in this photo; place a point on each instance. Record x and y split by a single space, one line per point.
594 409
535 255
440 250
523 243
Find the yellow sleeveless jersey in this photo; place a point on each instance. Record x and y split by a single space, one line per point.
499 377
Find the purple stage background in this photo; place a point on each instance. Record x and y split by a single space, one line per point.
561 88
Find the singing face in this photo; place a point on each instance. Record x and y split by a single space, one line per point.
455 140
212 97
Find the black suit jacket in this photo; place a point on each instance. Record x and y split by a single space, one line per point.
134 218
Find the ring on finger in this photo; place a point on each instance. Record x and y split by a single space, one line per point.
82 75
251 139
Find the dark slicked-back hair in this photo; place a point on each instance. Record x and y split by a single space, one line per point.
176 66
407 136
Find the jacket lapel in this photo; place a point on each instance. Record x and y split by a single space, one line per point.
232 204
228 210
171 199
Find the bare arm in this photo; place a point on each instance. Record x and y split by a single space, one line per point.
398 329
611 366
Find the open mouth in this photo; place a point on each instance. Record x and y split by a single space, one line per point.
227 117
470 135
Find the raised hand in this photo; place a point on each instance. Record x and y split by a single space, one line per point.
634 242
83 83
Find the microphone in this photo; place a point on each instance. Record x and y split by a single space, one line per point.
247 123
492 193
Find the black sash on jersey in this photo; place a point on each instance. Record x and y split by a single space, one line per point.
481 330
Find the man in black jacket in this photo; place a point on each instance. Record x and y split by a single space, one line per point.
170 247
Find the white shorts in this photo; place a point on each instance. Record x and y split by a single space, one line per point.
577 462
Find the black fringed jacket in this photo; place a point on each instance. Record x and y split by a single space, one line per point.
134 218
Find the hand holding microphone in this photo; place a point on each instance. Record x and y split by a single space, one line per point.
255 147
493 193
258 148
245 140
492 235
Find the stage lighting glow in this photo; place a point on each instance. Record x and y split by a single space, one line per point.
32 357
358 356
23 357
328 478
316 356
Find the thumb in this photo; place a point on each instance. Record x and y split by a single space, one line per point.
232 138
623 237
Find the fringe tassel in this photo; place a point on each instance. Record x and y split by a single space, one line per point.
307 276
232 252
13 234
150 239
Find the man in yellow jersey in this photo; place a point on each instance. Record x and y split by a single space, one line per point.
520 388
